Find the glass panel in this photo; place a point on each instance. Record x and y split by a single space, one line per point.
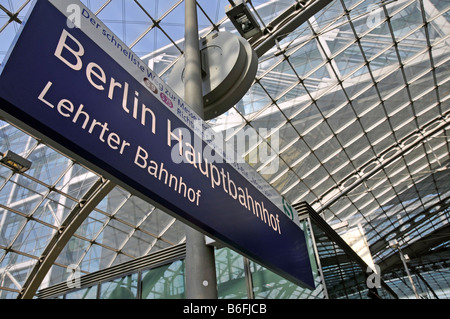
134 210
157 221
85 293
165 282
138 244
349 60
306 59
71 253
254 100
48 165
94 258
175 234
120 288
33 238
268 285
417 65
230 273
277 84
12 224
376 41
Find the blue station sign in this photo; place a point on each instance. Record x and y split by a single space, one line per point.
71 82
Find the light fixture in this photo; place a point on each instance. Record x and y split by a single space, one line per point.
393 244
242 19
15 161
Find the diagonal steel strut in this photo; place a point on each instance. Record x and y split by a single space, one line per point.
70 225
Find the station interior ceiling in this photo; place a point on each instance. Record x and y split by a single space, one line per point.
353 106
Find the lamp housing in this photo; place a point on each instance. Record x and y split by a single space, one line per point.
15 161
242 19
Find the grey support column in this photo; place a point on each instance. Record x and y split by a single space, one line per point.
200 264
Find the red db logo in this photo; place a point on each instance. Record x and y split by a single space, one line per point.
166 100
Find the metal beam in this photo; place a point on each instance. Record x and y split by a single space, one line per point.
426 283
70 225
420 250
286 23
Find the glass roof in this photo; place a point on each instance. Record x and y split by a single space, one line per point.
358 97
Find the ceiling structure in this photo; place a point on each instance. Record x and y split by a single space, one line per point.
353 106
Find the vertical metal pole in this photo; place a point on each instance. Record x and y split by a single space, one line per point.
407 273
200 264
316 254
248 279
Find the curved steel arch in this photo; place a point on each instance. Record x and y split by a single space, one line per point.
79 213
